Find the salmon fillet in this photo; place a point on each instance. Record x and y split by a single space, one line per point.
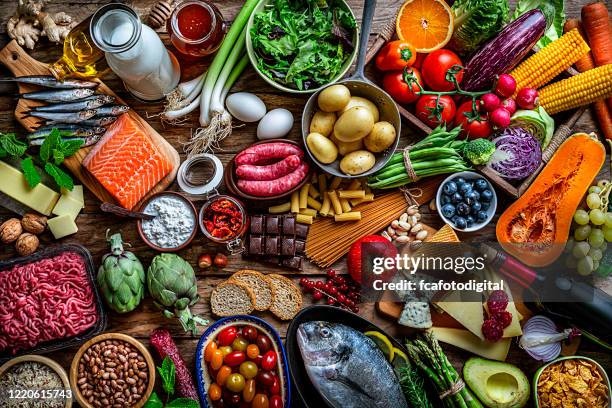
126 162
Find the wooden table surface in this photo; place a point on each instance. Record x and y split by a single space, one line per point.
93 223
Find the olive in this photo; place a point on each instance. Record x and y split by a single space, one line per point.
240 344
486 195
459 222
235 382
481 216
450 188
476 206
250 333
448 210
464 188
263 342
470 220
463 209
456 198
481 185
248 369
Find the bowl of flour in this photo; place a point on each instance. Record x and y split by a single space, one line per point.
174 225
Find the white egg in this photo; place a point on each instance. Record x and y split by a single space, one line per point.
277 123
245 106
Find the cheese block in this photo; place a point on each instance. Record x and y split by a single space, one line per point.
75 194
13 183
469 313
416 315
467 341
62 226
67 206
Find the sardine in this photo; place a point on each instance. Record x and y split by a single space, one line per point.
65 117
61 95
114 110
87 140
91 102
347 368
49 81
67 129
99 121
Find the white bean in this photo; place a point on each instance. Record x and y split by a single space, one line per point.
404 226
403 239
416 228
403 217
394 224
421 235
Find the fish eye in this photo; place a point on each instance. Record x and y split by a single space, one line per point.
325 332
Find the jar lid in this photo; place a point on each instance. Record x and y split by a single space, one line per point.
195 182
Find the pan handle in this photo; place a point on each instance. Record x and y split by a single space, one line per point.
366 26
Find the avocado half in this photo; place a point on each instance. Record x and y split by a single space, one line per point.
496 384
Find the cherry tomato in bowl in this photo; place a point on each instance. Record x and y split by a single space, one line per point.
433 111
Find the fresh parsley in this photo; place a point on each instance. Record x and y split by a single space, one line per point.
167 372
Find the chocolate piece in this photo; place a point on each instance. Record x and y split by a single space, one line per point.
255 245
257 222
273 225
273 260
288 247
272 246
289 225
300 246
301 230
293 262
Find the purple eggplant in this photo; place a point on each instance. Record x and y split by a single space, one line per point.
503 52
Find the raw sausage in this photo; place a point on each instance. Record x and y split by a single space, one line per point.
269 172
274 187
264 152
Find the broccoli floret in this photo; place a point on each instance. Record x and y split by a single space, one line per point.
479 151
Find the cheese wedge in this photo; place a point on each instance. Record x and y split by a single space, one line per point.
75 194
469 313
13 183
67 206
467 341
62 226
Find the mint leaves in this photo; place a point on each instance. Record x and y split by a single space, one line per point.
167 372
10 146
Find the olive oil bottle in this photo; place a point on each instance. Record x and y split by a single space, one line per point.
81 58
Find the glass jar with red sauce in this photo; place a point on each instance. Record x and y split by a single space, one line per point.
224 220
196 28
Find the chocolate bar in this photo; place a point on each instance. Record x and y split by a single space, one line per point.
272 246
255 246
288 247
289 225
257 222
300 246
294 262
301 230
273 225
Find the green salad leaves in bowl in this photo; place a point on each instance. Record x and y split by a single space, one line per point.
300 46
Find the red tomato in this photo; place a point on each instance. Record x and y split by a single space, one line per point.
263 342
475 127
276 401
235 358
418 63
269 360
398 89
227 336
432 114
436 65
275 387
260 401
265 378
250 333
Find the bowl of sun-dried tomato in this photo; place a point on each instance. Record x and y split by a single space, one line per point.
223 219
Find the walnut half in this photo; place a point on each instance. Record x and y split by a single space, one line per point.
34 223
10 230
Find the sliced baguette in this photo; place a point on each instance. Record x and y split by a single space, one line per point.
259 284
286 297
232 298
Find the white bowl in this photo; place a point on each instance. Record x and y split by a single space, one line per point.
468 175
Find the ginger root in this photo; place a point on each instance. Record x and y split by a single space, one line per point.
30 22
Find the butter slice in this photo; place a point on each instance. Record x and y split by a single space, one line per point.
62 226
75 194
67 206
13 183
467 341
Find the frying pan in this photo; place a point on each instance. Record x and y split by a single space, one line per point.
359 86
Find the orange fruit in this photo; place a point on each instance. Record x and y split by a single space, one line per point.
427 24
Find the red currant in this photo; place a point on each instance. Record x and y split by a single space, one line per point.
355 309
331 273
317 295
341 298
333 291
319 284
339 280
303 282
330 301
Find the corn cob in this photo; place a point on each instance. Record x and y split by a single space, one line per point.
550 61
579 90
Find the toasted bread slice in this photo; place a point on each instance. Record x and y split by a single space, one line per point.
286 297
259 284
232 298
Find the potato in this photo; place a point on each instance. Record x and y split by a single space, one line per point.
357 162
382 136
345 148
323 123
366 103
323 149
334 98
354 124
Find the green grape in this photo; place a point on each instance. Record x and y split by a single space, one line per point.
595 265
596 237
581 217
603 246
595 254
582 232
608 219
595 189
608 235
593 201
585 266
569 245
597 216
571 262
581 249
602 183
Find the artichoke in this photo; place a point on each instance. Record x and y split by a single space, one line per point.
121 277
172 285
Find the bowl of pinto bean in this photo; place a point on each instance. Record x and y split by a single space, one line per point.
112 369
267 170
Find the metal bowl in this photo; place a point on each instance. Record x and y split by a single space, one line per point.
252 53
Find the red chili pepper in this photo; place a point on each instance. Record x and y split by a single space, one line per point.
396 55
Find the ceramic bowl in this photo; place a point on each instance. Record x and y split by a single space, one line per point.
468 175
251 53
203 377
42 360
195 222
74 367
538 373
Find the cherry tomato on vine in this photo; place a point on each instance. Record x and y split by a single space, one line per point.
476 126
435 67
398 89
433 111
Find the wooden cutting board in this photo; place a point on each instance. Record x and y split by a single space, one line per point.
21 64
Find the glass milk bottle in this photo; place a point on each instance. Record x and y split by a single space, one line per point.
134 52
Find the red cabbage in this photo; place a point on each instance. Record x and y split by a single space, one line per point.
517 154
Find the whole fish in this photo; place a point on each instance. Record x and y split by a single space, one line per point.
347 368
91 102
87 140
65 117
114 110
67 129
49 81
102 121
59 95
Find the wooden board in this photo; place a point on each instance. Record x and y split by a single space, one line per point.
21 64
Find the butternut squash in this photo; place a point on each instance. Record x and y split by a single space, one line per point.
535 228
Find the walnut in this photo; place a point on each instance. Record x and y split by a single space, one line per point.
10 230
34 223
26 244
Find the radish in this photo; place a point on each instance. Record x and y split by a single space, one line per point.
509 104
527 98
500 117
489 102
505 86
